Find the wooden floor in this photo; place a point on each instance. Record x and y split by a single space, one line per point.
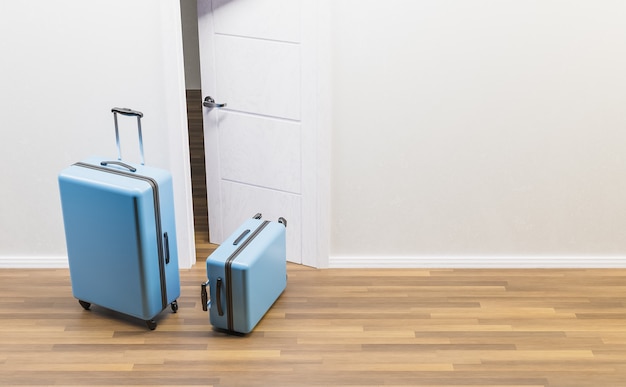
333 328
330 328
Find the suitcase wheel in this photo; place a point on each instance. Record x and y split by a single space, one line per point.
174 306
151 324
86 305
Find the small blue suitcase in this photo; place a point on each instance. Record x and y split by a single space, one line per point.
120 234
246 275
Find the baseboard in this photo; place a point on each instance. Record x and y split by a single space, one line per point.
55 262
391 262
478 262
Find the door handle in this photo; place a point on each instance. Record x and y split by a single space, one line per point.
210 103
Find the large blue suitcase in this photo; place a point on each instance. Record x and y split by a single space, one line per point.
246 275
120 234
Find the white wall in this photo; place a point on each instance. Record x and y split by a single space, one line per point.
479 133
64 65
482 133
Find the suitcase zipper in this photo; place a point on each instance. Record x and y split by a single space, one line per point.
228 274
157 214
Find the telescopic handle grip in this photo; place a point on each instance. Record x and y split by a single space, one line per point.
127 112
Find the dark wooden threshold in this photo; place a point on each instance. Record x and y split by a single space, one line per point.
198 175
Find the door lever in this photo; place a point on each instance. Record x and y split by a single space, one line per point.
210 103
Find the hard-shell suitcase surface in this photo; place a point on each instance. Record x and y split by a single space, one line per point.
246 275
120 234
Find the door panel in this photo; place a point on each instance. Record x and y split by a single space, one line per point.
258 76
251 59
252 149
263 19
242 201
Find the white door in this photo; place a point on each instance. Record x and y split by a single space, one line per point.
255 58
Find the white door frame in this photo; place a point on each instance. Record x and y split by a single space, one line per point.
323 142
316 158
178 133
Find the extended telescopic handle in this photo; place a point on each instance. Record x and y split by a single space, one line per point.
127 112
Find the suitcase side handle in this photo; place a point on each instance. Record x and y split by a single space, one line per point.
218 295
127 112
166 247
204 296
129 167
240 237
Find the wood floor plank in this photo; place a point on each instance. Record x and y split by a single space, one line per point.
334 328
